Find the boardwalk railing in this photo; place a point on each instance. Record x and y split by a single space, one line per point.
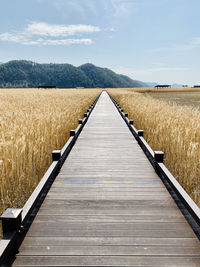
16 222
190 210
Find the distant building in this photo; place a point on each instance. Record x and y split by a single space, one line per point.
46 87
162 86
80 87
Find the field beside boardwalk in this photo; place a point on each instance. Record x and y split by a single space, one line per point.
172 128
33 123
191 99
164 90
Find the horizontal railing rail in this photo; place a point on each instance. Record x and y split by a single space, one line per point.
190 210
16 222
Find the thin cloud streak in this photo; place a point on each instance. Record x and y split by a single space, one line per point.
41 41
67 42
45 30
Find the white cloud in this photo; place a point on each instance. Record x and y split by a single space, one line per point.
39 33
10 37
16 38
42 41
56 30
65 41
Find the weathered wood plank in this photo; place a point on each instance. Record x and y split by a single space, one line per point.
54 224
108 184
113 218
183 233
132 261
106 211
108 204
107 250
104 241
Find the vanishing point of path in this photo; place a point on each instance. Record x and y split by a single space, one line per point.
108 207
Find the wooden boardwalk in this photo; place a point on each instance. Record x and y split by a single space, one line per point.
108 207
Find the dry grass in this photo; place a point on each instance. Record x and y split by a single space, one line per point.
32 123
171 128
172 89
191 99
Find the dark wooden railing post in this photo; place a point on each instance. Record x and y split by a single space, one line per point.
140 133
56 155
80 121
159 156
131 122
72 132
11 220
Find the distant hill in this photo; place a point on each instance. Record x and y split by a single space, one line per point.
22 73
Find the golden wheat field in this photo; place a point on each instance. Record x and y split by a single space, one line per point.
164 90
191 99
173 129
33 123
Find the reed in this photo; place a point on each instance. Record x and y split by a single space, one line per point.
171 128
163 90
32 123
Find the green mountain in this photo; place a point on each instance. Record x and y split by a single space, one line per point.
22 73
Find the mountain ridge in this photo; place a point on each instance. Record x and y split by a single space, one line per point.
23 73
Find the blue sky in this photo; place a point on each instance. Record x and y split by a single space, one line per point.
149 40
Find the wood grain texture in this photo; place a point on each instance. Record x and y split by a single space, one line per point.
108 207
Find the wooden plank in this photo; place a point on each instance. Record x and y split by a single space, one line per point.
106 211
94 241
132 261
107 250
107 197
115 186
183 233
113 218
95 189
107 204
61 225
107 191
